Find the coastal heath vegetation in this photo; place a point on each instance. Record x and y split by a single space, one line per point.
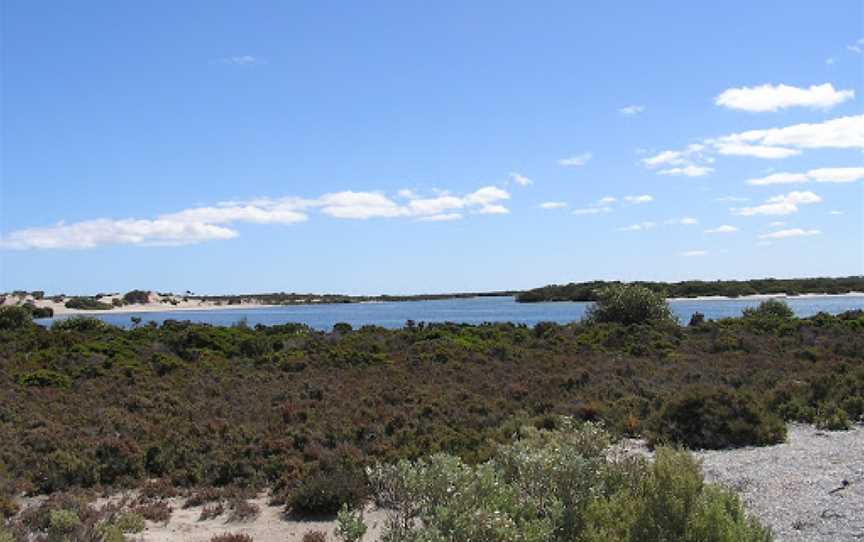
228 411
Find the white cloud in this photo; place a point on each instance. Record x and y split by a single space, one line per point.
756 151
520 179
732 199
93 233
240 60
607 200
639 226
780 205
835 212
830 60
631 110
553 205
199 224
777 224
446 217
725 228
635 200
592 211
407 193
764 98
794 232
857 47
771 143
821 175
684 221
694 253
577 160
687 171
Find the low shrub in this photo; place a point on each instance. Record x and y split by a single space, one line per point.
157 512
87 304
45 378
211 511
559 486
231 537
14 318
714 418
832 418
243 510
629 304
327 491
129 522
315 536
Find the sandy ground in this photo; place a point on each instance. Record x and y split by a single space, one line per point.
157 304
269 526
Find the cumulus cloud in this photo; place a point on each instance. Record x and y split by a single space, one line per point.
631 110
694 253
725 228
577 160
821 175
199 224
764 98
794 232
772 143
553 205
780 205
520 179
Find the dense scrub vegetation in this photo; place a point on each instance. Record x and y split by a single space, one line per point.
303 412
563 485
588 291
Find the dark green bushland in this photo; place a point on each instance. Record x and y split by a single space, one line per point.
84 404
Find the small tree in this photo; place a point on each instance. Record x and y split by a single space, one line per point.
770 308
629 304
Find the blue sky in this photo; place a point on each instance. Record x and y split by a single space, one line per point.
403 147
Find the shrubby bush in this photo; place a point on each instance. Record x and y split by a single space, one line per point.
629 304
14 318
561 485
770 308
87 303
713 418
136 297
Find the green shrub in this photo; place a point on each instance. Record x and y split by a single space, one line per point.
13 318
78 323
44 378
63 522
559 486
832 418
130 522
136 297
326 492
714 418
629 304
770 308
87 304
349 525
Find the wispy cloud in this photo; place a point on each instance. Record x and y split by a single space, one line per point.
732 199
199 224
694 253
631 110
857 47
784 204
794 232
592 210
765 98
635 200
771 143
520 179
553 205
684 221
641 226
240 60
835 212
725 228
577 160
687 171
821 175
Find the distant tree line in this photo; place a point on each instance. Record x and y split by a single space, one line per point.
588 291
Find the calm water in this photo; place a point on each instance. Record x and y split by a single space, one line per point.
472 311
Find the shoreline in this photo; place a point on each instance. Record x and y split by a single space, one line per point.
190 306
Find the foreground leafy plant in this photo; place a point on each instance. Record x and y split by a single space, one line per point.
560 485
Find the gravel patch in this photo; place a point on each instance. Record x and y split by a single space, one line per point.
810 488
